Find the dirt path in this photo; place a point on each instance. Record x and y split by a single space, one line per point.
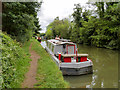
30 80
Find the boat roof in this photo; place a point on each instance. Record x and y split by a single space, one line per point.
60 41
79 55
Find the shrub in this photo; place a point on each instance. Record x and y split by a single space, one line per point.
14 62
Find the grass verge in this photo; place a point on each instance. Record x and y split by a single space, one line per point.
48 73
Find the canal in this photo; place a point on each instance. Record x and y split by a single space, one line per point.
105 69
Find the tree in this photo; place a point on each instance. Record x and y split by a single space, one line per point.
77 15
100 29
59 27
20 22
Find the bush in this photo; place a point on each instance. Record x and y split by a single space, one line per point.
14 63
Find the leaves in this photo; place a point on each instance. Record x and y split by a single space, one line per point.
99 27
21 21
99 31
14 63
58 27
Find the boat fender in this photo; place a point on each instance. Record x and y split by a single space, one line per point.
59 56
90 62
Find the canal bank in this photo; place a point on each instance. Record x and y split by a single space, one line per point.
105 69
48 73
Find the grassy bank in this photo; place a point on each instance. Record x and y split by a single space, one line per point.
15 62
48 74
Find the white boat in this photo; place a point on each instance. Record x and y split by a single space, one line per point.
64 53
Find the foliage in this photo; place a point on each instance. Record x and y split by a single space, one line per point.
14 62
20 22
48 34
77 15
48 73
99 27
42 34
75 35
100 30
58 27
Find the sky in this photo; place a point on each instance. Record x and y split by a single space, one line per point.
50 9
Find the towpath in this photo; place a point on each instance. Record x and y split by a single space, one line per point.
30 80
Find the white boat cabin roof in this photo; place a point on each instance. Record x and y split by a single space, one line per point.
79 55
60 42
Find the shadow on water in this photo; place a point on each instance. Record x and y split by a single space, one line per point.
105 69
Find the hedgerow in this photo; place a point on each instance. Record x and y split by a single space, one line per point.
14 63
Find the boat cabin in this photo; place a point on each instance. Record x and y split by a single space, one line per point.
65 50
61 46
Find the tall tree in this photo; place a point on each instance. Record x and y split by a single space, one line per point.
77 15
59 27
20 22
101 28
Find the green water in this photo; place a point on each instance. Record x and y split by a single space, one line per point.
105 69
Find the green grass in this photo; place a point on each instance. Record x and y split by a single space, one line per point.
48 73
25 47
15 62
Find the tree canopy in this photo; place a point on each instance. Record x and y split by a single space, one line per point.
99 27
19 19
58 27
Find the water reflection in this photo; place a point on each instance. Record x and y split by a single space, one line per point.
105 69
79 81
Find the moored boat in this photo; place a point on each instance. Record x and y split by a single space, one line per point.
64 53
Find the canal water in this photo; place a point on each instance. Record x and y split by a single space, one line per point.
105 69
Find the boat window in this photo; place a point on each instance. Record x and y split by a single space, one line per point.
64 49
49 45
52 48
64 46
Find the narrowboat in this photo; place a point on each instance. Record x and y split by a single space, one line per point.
64 53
